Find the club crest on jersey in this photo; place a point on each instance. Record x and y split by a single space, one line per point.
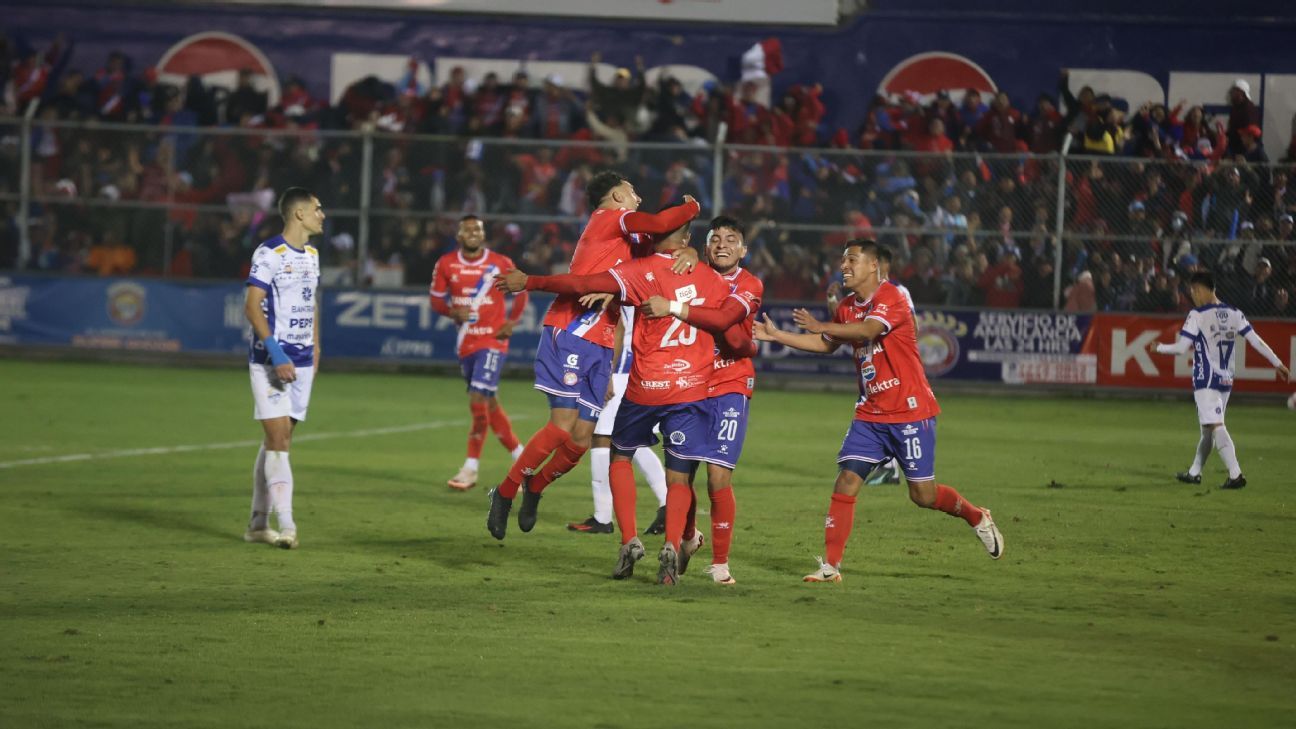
570 378
677 437
307 293
649 276
686 293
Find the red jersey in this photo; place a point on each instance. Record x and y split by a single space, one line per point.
604 243
738 375
893 386
672 359
468 284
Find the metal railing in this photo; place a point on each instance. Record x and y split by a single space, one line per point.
1017 230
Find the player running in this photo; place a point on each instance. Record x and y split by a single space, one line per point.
674 354
282 291
461 289
1211 331
574 359
645 459
895 416
728 399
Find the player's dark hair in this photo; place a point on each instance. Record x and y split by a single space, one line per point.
867 246
600 185
468 217
291 198
1202 278
884 253
724 221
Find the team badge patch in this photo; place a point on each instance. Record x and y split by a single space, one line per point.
570 378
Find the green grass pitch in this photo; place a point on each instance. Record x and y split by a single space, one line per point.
127 598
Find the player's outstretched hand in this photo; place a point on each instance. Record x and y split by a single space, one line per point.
806 321
685 260
655 307
286 372
505 331
690 199
595 301
763 331
512 281
1152 348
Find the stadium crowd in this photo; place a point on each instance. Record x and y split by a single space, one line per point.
952 183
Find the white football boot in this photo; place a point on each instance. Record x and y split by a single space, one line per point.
989 535
825 573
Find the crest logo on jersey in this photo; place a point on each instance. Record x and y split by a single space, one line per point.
649 276
127 303
686 293
677 437
307 293
570 378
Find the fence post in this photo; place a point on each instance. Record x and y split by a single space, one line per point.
366 191
1059 228
717 171
24 188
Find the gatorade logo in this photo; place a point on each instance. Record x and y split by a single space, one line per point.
927 73
217 58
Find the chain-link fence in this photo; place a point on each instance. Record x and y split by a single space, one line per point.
965 229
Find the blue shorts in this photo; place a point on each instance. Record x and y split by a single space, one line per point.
685 425
573 371
728 428
481 370
913 445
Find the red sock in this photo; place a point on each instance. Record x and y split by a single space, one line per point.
477 433
837 527
622 480
564 459
545 441
499 422
951 502
690 520
679 497
723 509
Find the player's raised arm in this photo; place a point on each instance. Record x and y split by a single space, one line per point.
1181 345
768 331
663 222
853 332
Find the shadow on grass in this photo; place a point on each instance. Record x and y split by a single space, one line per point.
170 520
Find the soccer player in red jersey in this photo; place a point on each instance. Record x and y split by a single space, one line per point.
461 289
728 398
674 356
574 360
895 416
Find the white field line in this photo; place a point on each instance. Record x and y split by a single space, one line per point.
168 450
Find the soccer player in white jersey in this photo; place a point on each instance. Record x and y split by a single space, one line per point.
282 296
1211 331
645 459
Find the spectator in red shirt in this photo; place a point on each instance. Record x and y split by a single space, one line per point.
1002 282
1044 129
997 130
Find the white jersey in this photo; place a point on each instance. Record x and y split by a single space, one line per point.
290 278
627 353
1214 330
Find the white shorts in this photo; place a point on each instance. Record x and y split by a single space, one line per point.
1211 405
275 399
608 417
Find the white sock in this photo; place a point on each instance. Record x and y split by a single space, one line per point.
600 459
516 452
1224 444
260 494
472 464
278 474
1203 452
651 467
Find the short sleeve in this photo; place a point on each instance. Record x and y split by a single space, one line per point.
440 280
889 307
1190 328
265 266
636 279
